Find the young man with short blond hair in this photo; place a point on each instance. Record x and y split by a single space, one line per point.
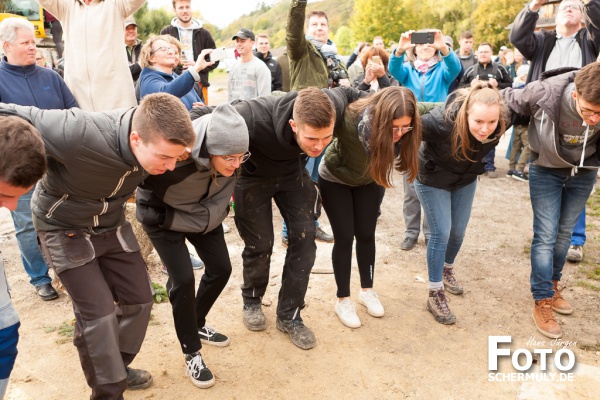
283 131
97 160
263 53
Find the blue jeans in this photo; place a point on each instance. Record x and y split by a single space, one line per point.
488 160
448 212
557 199
9 337
34 263
578 237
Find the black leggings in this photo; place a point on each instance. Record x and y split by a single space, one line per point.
189 310
352 212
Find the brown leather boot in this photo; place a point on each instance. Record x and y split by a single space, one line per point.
559 304
544 319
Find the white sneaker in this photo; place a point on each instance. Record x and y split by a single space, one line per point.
226 228
347 313
369 299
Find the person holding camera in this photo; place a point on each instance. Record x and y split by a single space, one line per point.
306 70
486 70
159 58
431 68
574 43
375 75
425 54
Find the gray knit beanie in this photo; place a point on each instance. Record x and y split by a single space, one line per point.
227 132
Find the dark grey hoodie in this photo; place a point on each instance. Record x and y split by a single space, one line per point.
551 106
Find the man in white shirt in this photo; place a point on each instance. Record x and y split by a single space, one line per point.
249 77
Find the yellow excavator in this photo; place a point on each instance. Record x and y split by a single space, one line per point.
28 9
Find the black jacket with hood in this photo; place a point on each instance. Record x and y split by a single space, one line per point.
274 149
537 46
274 68
437 166
202 39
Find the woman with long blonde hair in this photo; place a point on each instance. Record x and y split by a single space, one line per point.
456 138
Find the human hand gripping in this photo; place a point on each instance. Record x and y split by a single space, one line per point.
536 4
404 43
185 155
439 43
378 68
369 74
201 63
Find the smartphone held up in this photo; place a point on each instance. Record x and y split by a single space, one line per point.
422 37
218 54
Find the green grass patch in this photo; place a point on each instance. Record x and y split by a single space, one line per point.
65 331
588 285
218 72
160 293
593 204
593 273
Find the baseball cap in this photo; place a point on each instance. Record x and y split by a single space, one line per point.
129 21
503 48
244 33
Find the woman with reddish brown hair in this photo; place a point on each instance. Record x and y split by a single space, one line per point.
379 133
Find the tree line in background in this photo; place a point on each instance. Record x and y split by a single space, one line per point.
354 21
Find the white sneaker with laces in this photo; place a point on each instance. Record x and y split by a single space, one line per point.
369 299
198 372
347 313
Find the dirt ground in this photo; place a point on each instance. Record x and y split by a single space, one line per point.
405 354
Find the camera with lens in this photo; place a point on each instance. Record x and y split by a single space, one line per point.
336 72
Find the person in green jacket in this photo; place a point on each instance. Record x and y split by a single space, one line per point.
379 133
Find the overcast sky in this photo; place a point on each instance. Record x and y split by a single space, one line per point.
218 12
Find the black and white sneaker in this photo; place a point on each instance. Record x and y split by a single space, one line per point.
520 176
209 335
198 371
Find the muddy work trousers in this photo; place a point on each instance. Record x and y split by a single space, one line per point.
106 277
296 197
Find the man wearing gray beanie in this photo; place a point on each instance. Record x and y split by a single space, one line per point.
283 132
190 203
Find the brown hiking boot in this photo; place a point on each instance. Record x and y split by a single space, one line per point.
450 282
559 304
438 307
544 319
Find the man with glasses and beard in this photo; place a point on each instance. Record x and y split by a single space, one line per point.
572 44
